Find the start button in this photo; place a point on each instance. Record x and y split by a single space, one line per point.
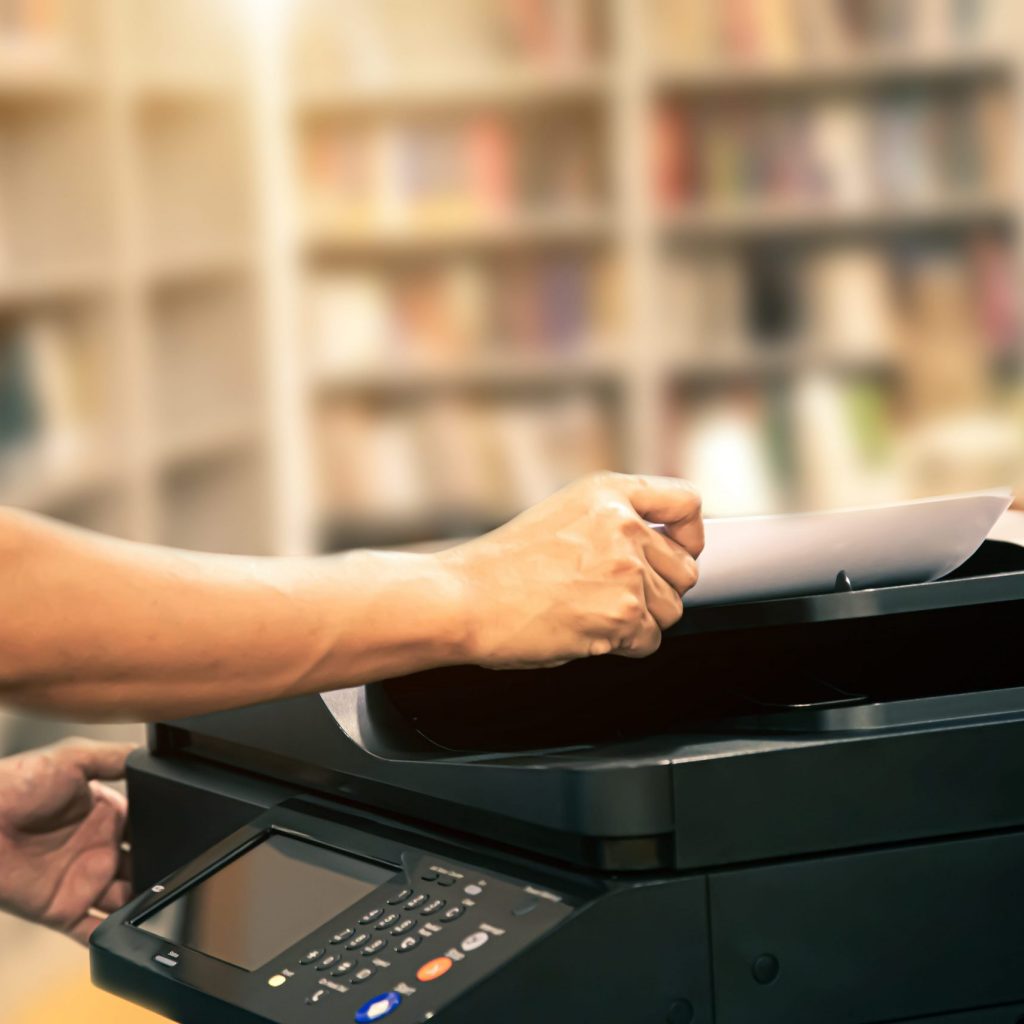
433 969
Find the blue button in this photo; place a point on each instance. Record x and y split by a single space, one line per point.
376 1009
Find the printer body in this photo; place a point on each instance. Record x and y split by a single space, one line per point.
802 811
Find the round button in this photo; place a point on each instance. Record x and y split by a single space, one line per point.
328 961
452 913
429 876
406 925
680 1012
409 942
446 880
371 915
312 956
432 907
399 897
765 969
433 969
374 947
472 890
377 1008
417 901
343 968
474 941
361 939
343 936
386 921
362 975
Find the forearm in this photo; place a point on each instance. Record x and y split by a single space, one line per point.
100 628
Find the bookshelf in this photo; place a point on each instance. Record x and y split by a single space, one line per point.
127 292
376 273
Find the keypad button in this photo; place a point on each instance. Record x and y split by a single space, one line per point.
371 915
406 925
409 942
387 921
378 1008
417 901
312 956
359 940
363 974
343 936
399 897
474 941
452 913
374 947
317 996
434 969
446 880
429 876
343 968
433 907
473 890
328 961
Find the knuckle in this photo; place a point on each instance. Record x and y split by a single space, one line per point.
626 564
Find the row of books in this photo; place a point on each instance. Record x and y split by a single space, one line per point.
904 146
854 301
447 313
447 171
455 460
391 40
51 400
784 32
816 442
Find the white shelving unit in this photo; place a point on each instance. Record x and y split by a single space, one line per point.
168 142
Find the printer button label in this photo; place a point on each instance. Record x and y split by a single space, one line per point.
474 941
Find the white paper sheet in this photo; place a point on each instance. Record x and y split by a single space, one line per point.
759 557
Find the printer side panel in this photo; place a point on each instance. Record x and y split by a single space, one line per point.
911 932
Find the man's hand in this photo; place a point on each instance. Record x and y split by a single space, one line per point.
582 573
60 834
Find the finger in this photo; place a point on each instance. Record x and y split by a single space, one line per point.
645 640
116 895
94 759
676 503
663 601
671 561
83 928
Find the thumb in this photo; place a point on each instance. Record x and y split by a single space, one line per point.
674 502
94 759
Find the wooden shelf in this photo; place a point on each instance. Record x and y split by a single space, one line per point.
785 360
856 72
203 442
477 374
525 229
52 284
521 88
765 220
49 489
196 265
40 79
164 87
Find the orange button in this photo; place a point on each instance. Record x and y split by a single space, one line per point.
433 969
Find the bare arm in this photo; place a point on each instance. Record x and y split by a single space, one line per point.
100 628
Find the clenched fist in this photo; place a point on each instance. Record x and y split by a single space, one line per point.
582 573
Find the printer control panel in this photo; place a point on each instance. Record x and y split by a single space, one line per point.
415 943
288 927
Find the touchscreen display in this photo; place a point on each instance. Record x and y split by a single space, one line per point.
263 901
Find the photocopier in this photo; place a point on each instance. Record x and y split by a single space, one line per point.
807 810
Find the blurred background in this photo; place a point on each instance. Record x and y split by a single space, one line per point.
286 276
